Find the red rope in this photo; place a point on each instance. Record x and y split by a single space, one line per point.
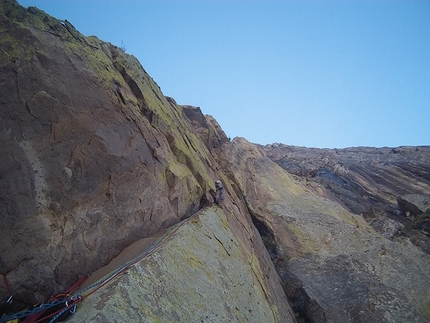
73 303
7 285
36 316
36 319
33 317
77 284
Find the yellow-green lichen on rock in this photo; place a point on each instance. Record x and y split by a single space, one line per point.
314 240
201 273
115 152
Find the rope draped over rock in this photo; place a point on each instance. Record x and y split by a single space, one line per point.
71 301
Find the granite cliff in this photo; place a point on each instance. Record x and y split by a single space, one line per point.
99 167
389 187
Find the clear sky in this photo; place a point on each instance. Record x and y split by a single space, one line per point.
327 74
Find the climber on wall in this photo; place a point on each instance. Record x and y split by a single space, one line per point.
219 195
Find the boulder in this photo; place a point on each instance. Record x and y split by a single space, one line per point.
414 204
416 209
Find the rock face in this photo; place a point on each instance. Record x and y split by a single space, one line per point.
94 158
218 281
89 145
334 266
366 181
97 164
416 208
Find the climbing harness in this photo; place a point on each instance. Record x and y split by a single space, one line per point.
58 309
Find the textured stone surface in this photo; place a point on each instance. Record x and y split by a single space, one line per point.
334 266
414 204
95 160
202 273
416 208
365 180
89 146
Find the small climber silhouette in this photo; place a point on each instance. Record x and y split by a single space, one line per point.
219 195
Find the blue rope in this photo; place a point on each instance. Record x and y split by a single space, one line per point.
58 315
42 307
67 308
25 313
112 274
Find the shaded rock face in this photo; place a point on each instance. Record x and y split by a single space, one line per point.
416 208
367 181
413 205
364 179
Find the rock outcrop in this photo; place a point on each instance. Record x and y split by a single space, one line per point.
367 181
94 158
204 273
97 164
334 266
89 145
416 208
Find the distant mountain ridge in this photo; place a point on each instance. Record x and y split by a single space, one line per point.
97 165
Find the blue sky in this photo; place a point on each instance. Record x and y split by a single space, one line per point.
327 74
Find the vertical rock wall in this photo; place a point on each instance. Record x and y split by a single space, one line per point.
94 156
